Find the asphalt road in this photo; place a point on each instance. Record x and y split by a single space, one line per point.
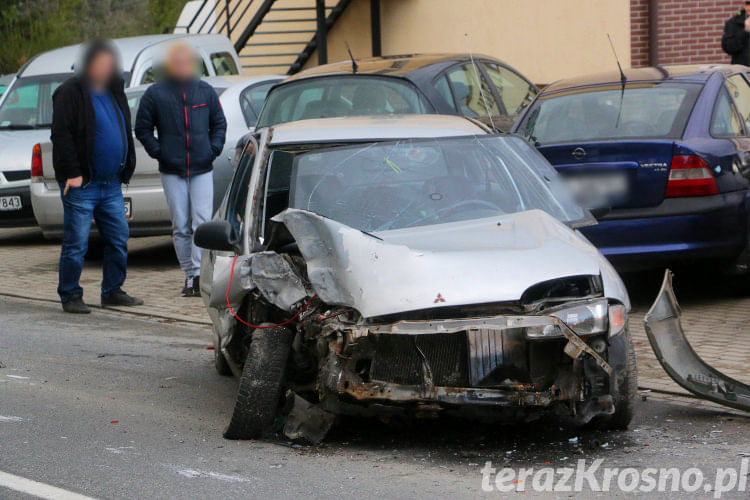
112 406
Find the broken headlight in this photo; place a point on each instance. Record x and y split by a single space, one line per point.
585 318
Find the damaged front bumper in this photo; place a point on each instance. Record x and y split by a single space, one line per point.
681 362
475 364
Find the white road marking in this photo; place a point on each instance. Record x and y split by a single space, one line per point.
37 489
10 419
17 377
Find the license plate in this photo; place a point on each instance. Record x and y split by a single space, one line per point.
8 203
128 208
606 189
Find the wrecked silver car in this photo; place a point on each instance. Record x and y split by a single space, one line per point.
410 266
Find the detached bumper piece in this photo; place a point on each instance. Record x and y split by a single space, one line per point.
681 362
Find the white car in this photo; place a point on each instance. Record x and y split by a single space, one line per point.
410 265
146 207
26 105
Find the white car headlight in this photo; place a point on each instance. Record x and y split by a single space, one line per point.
586 318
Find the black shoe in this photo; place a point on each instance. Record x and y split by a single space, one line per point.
197 286
120 298
76 305
190 286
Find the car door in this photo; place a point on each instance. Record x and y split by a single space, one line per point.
471 95
216 266
732 121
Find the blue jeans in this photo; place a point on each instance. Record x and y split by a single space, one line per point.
191 203
103 202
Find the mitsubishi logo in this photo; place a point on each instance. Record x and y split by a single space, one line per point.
439 299
579 153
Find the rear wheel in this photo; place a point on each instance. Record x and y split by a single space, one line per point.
261 384
625 394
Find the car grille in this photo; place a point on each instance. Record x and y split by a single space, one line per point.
16 175
398 359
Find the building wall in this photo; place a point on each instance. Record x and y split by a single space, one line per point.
689 31
546 40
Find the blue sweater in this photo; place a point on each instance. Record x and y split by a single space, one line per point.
110 142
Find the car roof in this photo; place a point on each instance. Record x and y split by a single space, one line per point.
398 65
243 80
220 82
364 128
61 60
695 73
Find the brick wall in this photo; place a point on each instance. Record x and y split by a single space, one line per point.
689 30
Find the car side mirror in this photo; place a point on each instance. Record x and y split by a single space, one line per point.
217 235
600 212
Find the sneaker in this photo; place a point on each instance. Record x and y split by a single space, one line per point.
197 286
120 298
76 305
189 288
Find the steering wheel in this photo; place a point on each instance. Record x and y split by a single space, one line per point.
457 206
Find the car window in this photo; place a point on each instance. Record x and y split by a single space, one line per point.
251 101
472 93
444 89
410 183
725 122
658 110
238 188
740 91
29 102
134 100
224 64
353 95
515 92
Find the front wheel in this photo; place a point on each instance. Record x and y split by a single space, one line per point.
261 384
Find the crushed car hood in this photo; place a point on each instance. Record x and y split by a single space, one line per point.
459 263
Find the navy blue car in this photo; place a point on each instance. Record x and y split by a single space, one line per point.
667 149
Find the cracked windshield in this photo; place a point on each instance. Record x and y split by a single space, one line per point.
412 183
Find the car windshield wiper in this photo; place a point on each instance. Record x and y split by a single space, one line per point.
14 126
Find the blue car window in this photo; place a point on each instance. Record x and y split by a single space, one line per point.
725 122
740 91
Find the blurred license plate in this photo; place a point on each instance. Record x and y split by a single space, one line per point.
8 203
593 190
128 207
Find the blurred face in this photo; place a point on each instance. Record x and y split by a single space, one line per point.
747 8
181 63
101 69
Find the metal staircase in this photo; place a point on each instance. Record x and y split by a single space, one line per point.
270 36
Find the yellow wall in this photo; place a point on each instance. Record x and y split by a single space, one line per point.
544 39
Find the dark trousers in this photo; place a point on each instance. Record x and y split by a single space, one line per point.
102 202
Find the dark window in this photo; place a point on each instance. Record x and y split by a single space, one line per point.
29 102
224 64
725 122
740 92
472 92
237 199
328 97
643 110
444 89
251 101
515 92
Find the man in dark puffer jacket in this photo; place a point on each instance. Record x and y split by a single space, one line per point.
191 127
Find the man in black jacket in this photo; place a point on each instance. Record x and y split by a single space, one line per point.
187 115
93 155
736 35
